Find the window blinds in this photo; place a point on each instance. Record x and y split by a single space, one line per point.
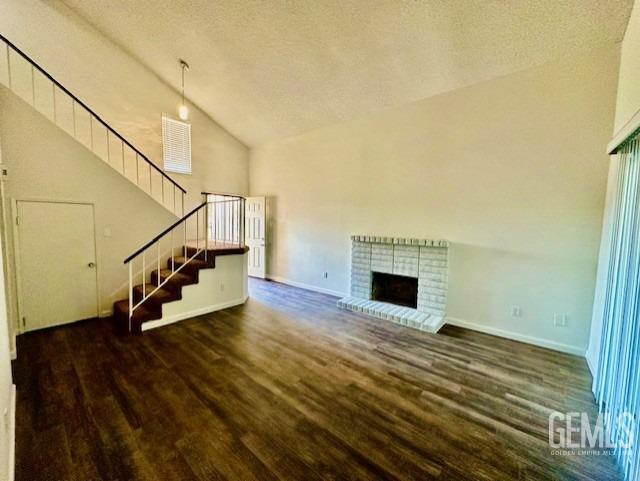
617 382
176 145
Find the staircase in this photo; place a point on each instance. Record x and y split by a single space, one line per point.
172 286
24 77
160 270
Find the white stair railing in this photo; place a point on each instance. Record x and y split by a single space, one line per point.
216 224
23 76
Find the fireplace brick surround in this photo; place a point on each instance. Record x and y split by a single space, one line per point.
425 259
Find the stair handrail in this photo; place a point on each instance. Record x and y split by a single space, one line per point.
163 233
86 107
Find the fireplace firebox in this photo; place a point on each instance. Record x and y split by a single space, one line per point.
395 289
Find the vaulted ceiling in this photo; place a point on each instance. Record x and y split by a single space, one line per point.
267 69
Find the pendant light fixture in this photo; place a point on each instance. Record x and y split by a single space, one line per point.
183 110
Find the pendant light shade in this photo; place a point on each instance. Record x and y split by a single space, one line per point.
183 112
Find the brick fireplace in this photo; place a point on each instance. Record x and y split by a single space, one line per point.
383 273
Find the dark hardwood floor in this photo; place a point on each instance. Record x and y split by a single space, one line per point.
289 387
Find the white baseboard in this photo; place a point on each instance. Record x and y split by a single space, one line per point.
13 349
12 435
308 287
590 363
536 341
196 312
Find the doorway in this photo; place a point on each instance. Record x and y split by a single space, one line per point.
255 219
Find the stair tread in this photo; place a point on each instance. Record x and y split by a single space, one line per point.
177 278
162 294
183 260
168 272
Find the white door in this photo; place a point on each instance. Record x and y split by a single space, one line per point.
255 213
57 263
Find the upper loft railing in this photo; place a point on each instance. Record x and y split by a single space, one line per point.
225 218
35 85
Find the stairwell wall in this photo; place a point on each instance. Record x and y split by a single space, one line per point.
45 163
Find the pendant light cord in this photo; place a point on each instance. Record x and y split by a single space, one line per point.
183 83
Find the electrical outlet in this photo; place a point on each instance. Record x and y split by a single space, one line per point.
516 311
222 287
325 275
560 320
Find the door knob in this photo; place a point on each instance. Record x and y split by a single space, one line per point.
91 264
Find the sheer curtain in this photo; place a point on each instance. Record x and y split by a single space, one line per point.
617 379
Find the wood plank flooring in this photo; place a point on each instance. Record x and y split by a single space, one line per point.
289 387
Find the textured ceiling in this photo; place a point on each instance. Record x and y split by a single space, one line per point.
270 69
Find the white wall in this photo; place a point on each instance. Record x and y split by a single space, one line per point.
219 288
7 392
627 104
512 171
122 91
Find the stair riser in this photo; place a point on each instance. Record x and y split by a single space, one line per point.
121 316
174 283
189 269
154 299
210 257
212 253
192 250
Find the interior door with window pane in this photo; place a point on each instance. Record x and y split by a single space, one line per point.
255 220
